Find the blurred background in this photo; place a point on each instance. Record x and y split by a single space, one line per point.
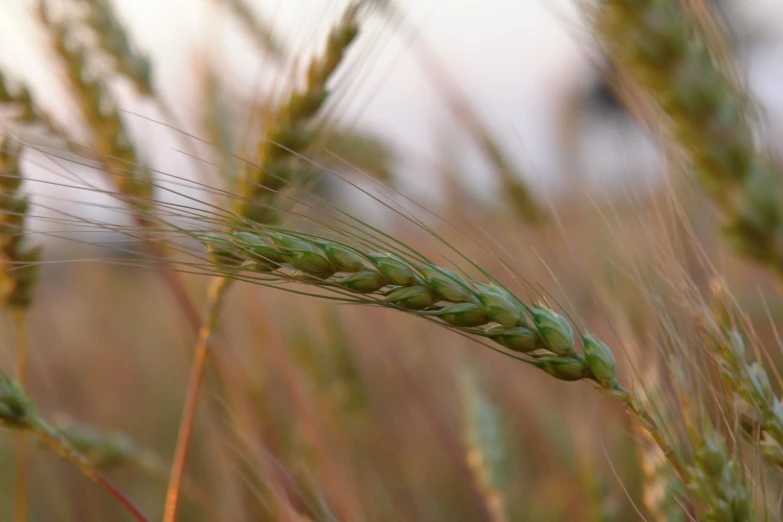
498 117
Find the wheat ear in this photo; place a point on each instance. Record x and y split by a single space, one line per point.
18 413
707 114
289 135
97 105
532 333
756 405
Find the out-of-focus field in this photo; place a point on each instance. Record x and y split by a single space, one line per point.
333 411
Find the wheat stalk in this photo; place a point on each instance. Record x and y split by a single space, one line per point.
18 274
216 292
279 158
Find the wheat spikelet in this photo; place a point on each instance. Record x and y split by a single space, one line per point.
707 115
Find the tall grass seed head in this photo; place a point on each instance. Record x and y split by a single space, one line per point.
600 360
556 332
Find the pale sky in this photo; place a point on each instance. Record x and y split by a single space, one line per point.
514 59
